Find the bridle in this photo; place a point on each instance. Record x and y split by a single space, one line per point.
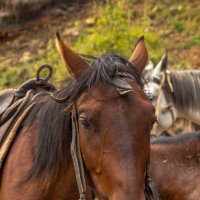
150 189
166 86
77 157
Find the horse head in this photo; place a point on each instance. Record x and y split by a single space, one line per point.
158 82
114 119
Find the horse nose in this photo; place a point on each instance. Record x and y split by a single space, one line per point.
129 195
129 189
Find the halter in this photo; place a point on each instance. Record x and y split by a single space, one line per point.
162 86
150 189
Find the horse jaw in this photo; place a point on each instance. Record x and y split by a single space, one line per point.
166 119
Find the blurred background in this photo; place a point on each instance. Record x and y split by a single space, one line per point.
27 33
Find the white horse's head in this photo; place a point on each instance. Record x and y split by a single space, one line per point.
156 79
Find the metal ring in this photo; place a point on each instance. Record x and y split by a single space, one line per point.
47 66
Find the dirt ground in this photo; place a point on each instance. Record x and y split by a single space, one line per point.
19 42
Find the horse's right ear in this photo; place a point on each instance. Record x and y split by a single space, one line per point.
161 66
139 56
73 62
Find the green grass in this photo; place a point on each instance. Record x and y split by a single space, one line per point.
114 28
114 32
193 41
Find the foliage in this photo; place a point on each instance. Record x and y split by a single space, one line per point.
193 41
114 27
115 31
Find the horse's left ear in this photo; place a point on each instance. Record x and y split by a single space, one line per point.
139 57
73 62
148 71
161 66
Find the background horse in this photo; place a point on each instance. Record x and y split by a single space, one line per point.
112 117
175 94
175 165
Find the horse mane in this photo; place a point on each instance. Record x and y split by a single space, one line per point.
186 85
183 137
53 144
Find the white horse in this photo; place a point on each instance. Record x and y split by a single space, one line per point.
175 94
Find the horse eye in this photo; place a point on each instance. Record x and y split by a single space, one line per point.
85 124
152 97
149 94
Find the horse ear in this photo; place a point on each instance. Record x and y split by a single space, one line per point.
139 56
148 71
73 62
161 66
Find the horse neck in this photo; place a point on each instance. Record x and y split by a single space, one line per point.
185 97
181 147
22 151
175 158
189 113
192 115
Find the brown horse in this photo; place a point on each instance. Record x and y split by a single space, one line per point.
114 119
175 166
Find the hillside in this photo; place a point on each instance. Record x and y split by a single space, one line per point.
98 27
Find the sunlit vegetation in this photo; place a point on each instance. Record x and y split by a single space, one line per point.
114 27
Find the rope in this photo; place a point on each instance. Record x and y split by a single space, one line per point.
44 66
169 81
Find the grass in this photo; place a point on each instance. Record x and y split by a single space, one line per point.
114 27
114 32
193 41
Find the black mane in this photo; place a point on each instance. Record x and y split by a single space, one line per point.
53 146
184 137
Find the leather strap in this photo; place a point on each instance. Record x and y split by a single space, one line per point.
150 190
12 128
77 158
